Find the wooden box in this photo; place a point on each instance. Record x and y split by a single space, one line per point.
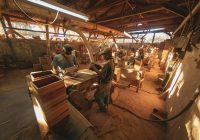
46 85
46 67
43 60
37 67
40 75
50 98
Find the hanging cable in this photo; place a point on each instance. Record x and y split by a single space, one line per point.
34 19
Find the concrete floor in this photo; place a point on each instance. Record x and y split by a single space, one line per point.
17 119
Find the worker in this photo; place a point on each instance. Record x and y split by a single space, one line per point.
141 53
106 74
64 60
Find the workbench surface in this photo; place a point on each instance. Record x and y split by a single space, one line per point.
83 78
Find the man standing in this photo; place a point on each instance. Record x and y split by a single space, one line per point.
64 60
106 74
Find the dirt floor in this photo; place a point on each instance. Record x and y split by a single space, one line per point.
17 119
119 124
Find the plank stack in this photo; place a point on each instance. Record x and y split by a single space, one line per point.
49 99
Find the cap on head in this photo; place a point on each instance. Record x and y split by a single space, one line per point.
107 53
68 48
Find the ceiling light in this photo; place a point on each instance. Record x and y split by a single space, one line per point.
139 24
127 34
47 3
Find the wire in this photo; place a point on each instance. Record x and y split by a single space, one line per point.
34 19
166 120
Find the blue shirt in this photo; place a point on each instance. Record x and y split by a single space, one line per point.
60 61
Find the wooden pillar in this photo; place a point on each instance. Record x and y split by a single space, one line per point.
8 39
153 37
47 39
90 35
10 25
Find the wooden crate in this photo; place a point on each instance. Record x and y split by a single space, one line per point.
46 67
37 67
49 97
43 60
40 75
47 85
52 98
46 60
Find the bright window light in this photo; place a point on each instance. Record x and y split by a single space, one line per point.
54 7
127 34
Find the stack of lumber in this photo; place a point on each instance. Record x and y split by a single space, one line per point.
49 99
44 64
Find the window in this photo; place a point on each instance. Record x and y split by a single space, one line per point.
160 37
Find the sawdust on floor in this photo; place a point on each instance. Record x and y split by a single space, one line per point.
118 124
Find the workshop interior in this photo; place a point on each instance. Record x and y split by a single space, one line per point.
99 69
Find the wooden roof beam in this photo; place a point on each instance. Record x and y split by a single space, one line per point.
143 20
68 2
150 25
168 27
148 9
106 4
145 32
176 9
43 13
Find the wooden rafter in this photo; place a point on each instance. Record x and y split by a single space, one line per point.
166 26
152 18
146 9
106 4
10 25
145 31
42 14
176 9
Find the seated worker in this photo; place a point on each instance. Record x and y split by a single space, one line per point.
106 74
64 60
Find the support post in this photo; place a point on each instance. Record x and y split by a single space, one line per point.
153 37
10 25
8 39
47 39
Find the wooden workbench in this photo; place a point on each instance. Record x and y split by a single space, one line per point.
82 80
